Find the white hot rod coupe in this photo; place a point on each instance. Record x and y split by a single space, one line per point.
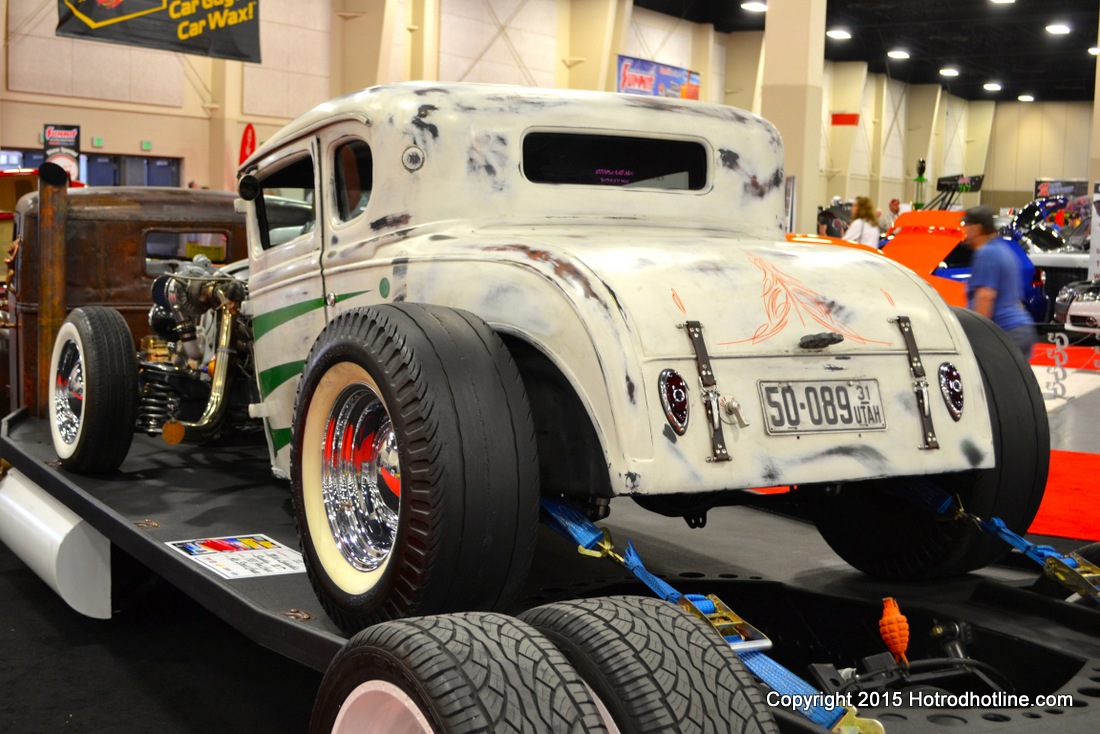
500 294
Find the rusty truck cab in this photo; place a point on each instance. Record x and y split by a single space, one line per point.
117 240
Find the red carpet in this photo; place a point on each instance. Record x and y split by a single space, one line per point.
1077 358
1070 508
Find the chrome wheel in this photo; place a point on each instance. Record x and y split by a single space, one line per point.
361 477
68 392
92 390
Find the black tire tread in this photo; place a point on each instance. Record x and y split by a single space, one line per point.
470 467
470 673
110 390
884 535
655 666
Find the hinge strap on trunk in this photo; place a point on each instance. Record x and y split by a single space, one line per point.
710 392
920 384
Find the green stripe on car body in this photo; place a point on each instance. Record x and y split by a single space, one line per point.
280 438
273 377
271 320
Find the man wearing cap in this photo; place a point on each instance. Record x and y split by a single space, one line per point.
886 221
995 290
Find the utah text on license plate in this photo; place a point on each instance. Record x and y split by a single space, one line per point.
813 406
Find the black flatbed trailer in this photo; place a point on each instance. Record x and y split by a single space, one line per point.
771 568
164 494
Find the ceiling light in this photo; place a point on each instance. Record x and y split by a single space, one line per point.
754 7
1095 50
992 86
838 33
1058 29
897 53
1002 2
949 71
1026 98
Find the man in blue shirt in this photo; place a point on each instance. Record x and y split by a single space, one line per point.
995 290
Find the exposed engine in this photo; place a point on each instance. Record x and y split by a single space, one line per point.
191 368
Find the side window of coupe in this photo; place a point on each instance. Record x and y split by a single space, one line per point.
354 178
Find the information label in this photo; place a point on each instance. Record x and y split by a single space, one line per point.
241 556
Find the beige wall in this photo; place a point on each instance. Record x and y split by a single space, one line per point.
189 107
196 108
1037 140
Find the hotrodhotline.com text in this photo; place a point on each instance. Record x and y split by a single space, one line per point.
916 699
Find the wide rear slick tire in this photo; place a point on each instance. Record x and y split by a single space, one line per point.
476 673
414 469
654 666
872 526
93 394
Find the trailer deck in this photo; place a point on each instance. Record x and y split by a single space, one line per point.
771 568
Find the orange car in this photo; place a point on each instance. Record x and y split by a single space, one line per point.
929 242
921 241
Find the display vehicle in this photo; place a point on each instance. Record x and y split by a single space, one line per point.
930 241
486 298
1077 307
1060 252
116 241
505 294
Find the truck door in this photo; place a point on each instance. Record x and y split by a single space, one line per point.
286 286
353 273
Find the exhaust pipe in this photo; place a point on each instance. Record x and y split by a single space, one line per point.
71 556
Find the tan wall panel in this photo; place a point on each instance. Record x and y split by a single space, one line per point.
1037 140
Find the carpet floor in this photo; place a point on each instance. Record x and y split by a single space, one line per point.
1070 508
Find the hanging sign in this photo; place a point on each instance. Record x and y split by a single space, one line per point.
61 144
638 76
227 29
1072 188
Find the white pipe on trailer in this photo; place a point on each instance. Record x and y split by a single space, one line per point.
71 556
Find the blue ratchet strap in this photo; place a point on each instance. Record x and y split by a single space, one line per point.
1038 553
634 564
1070 570
785 682
566 520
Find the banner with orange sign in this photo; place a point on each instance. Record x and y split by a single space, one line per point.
227 29
639 76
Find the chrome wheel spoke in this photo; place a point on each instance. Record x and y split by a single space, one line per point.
361 477
69 392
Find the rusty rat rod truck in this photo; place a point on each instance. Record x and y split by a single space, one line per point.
461 302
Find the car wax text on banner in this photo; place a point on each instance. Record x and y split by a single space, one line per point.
228 29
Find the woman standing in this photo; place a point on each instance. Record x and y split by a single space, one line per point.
864 226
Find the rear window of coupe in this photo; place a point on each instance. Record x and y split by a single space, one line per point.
614 160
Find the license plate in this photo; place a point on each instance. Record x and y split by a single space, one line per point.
815 406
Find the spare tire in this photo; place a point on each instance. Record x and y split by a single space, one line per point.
470 673
655 666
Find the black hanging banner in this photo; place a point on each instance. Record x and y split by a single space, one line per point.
227 29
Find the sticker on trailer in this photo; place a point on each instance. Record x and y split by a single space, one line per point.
241 556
